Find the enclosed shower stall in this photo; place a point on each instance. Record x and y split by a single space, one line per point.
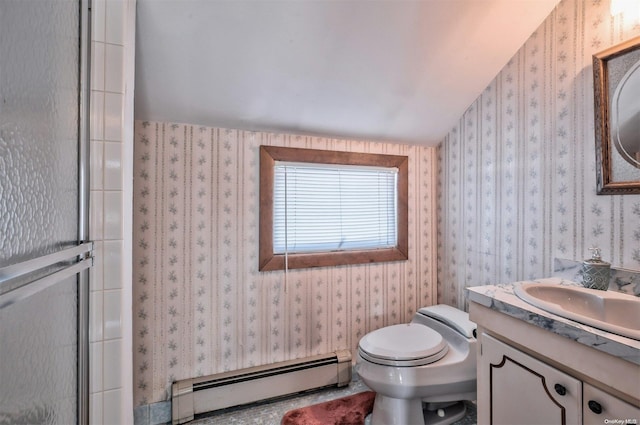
44 254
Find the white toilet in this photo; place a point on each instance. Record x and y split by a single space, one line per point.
421 371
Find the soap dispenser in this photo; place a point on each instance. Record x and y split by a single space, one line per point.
595 272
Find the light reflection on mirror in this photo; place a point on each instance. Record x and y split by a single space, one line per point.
626 116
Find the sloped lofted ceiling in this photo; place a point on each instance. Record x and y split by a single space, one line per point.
393 70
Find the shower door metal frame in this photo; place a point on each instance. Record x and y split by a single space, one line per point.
84 101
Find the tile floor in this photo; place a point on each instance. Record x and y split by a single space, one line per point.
271 413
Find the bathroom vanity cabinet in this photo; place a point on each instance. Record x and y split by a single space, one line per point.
534 368
520 389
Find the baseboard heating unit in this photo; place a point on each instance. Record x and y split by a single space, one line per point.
190 397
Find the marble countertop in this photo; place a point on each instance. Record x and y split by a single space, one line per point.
503 299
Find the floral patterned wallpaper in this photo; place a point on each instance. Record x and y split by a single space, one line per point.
517 180
201 306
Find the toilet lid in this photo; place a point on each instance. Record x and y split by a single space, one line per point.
404 343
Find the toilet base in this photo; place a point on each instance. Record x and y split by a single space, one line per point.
451 413
393 411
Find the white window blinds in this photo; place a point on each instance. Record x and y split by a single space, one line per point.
324 207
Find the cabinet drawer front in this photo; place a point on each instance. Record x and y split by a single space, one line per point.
523 390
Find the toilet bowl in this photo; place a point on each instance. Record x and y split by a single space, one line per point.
421 371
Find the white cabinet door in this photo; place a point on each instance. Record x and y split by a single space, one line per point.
600 408
516 389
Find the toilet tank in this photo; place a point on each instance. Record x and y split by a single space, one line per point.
440 315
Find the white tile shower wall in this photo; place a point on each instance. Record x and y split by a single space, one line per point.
517 177
200 304
111 133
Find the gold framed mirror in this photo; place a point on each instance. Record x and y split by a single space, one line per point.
616 84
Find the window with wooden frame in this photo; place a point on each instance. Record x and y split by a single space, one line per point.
327 208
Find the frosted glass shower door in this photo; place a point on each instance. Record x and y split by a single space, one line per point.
42 210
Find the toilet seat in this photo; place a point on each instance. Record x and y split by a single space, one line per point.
407 345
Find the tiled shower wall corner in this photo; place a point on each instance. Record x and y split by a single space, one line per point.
517 179
111 134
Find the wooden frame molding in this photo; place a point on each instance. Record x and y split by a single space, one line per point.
270 261
605 149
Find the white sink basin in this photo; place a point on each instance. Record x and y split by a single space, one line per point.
610 311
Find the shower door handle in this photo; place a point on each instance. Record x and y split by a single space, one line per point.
69 261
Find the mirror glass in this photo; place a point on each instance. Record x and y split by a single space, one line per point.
625 116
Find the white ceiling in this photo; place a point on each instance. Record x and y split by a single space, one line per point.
394 70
